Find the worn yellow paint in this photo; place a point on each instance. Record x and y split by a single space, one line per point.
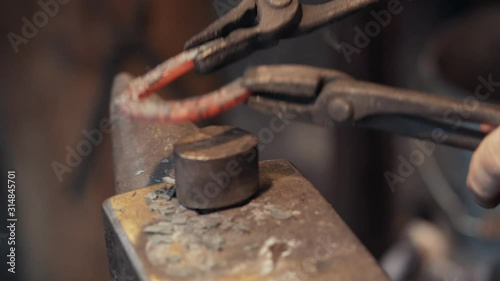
245 277
155 278
133 219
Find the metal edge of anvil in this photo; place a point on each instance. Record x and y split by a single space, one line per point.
354 262
139 147
123 262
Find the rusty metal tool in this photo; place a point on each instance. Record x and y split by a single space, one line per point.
332 98
135 100
258 24
216 167
252 25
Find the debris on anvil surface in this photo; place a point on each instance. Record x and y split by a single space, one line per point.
260 211
214 242
165 161
167 210
150 197
159 228
181 241
272 251
251 247
159 239
154 206
179 220
206 223
165 193
139 172
267 239
278 213
168 180
241 227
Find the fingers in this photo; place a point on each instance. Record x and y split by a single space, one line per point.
484 172
487 128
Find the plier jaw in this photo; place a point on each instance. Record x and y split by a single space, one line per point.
258 24
289 89
253 24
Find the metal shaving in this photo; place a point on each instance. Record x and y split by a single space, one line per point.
179 220
154 206
151 196
181 209
159 228
173 259
167 210
241 228
210 223
166 193
159 239
278 213
251 247
168 180
139 172
214 242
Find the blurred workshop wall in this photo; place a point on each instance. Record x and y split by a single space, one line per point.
58 85
52 90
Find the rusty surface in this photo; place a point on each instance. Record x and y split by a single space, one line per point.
142 151
289 232
136 101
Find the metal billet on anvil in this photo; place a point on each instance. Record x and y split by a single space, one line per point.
216 167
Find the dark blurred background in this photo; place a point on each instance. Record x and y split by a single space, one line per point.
57 84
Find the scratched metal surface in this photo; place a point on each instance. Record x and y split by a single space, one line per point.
289 232
142 151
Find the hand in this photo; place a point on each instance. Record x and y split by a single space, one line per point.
484 172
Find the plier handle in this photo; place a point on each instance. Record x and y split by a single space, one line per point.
332 98
257 24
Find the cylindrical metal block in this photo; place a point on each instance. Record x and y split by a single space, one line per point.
216 167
